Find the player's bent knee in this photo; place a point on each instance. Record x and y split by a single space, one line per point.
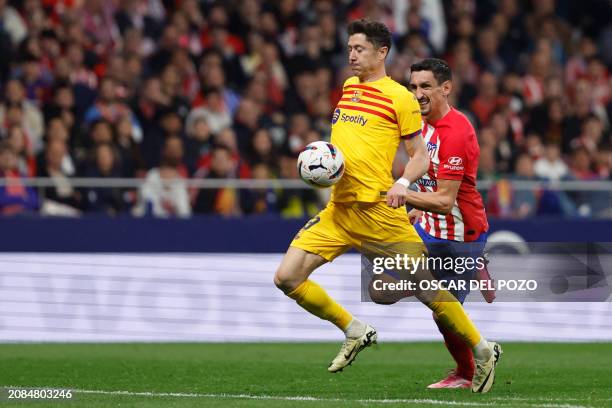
288 277
295 268
284 281
382 296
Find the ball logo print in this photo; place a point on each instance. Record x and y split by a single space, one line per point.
320 164
455 161
336 116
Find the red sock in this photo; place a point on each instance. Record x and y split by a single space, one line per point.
461 352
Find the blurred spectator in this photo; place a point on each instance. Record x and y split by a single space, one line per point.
487 56
503 140
488 99
100 132
603 162
35 78
15 198
17 110
533 146
582 50
173 154
309 54
503 200
56 130
198 142
525 202
130 160
261 200
295 203
97 19
212 75
591 136
299 125
164 192
80 73
145 16
548 120
215 111
223 200
264 152
62 105
581 167
582 107
331 44
12 23
174 87
103 200
188 81
148 108
109 107
486 165
587 202
246 123
550 166
61 198
424 17
26 163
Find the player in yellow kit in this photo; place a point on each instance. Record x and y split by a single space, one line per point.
374 114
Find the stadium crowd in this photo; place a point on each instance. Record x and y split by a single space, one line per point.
168 90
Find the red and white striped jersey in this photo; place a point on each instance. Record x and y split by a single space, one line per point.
454 153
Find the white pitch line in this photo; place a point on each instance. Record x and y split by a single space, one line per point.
557 406
289 398
542 403
547 399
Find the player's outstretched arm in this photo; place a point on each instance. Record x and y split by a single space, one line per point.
414 170
440 201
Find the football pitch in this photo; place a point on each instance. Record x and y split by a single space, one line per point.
294 375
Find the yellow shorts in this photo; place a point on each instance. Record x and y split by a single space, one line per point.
367 227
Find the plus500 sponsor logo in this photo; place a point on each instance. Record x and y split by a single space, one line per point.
343 117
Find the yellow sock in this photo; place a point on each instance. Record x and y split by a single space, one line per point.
314 299
451 313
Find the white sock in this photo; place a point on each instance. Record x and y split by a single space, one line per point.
482 351
355 328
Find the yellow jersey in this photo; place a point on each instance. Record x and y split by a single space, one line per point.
367 125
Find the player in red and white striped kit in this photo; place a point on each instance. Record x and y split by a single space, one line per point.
448 210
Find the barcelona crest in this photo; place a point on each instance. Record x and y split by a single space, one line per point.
356 96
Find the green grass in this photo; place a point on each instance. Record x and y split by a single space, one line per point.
529 375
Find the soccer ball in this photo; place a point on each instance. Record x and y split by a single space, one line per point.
320 164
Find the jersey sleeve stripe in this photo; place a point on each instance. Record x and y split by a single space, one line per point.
378 105
436 227
372 111
450 225
369 95
411 135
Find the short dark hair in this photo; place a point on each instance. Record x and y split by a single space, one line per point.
377 33
438 67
